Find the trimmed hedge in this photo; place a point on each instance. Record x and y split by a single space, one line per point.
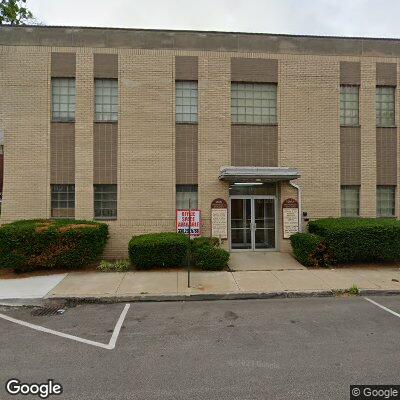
211 258
360 239
45 244
207 255
310 250
156 250
163 250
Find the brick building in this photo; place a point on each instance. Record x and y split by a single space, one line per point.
126 125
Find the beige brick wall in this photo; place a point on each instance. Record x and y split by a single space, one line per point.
368 139
214 131
84 136
309 132
25 120
308 135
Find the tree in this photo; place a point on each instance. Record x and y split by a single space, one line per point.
14 12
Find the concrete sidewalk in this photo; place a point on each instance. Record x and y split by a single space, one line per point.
172 285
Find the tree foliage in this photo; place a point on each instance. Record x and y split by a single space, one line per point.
14 12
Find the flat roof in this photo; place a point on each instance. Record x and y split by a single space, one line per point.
98 37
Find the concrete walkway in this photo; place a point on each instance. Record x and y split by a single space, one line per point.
161 285
263 261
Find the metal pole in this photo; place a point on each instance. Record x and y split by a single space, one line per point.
189 248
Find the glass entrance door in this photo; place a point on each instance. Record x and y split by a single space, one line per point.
252 222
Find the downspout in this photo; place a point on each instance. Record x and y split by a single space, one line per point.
299 201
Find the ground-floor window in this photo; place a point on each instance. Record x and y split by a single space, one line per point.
183 194
385 201
105 201
63 201
350 200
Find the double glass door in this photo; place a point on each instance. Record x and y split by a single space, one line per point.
252 222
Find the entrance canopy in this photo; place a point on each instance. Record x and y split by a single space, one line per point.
258 174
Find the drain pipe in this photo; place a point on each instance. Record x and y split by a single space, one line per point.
299 198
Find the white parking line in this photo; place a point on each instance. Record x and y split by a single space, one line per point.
109 346
383 307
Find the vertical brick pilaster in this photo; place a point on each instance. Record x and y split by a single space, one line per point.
84 136
214 131
25 121
368 139
397 111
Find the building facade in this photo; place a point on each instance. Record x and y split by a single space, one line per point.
125 126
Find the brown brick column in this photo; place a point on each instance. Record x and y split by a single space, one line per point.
368 139
84 136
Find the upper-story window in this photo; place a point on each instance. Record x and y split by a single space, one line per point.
254 103
349 105
63 99
186 101
385 106
106 100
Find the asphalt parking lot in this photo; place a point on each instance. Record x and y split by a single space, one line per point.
310 348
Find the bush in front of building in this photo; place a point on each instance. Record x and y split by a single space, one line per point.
29 245
360 239
159 250
311 250
207 255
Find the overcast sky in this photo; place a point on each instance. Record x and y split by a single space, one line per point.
376 18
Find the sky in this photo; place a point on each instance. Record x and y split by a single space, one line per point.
374 18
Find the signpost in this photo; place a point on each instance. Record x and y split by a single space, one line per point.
219 219
188 222
290 217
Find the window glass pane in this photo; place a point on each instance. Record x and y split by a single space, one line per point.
186 101
63 99
105 201
350 201
349 105
385 201
106 99
62 201
385 106
253 103
183 194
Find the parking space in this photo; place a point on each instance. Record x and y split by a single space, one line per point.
255 349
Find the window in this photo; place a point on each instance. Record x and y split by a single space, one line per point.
63 99
183 194
385 201
63 201
106 99
253 103
105 201
349 105
186 101
350 201
385 103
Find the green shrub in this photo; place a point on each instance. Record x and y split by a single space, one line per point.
156 250
205 241
45 244
310 250
360 239
116 266
211 258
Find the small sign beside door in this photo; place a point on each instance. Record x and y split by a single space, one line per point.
219 218
290 217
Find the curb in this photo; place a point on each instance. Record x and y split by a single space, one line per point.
71 301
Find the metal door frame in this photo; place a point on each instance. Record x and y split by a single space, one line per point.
252 223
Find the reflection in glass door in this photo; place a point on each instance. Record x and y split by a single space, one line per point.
252 223
241 223
264 223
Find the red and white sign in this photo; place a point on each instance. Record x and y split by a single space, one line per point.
182 222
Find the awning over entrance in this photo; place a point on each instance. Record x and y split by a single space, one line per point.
258 174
